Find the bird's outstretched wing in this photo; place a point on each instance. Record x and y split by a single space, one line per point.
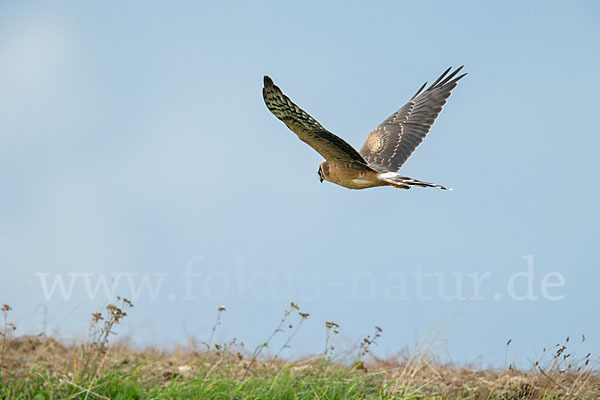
330 146
390 144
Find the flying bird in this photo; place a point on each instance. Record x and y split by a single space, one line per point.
387 147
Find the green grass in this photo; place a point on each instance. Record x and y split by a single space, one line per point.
130 383
54 371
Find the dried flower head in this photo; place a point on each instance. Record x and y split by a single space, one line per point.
97 317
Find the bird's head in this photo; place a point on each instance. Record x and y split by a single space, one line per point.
323 171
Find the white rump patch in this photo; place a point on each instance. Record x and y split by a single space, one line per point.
388 175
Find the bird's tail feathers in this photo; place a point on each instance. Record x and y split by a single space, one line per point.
404 182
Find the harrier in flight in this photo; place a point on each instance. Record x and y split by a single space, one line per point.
387 147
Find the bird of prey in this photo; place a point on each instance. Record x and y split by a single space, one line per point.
387 147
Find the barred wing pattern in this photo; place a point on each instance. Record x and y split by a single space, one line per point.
390 144
334 149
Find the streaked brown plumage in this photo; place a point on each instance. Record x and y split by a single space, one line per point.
387 147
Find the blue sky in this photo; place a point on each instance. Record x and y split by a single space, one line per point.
135 143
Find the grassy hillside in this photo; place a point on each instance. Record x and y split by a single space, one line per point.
44 368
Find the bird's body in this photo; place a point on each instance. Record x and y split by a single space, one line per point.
387 147
349 176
